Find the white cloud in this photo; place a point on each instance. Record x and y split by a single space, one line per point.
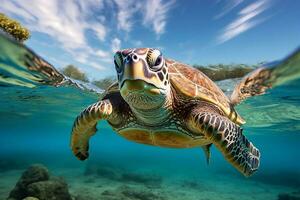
96 66
125 13
247 19
101 54
64 21
10 7
155 14
99 30
87 5
230 5
115 45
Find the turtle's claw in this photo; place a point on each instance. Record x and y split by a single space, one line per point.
82 156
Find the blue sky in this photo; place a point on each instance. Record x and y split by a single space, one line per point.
86 33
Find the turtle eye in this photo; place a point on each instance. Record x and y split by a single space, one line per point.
118 60
155 59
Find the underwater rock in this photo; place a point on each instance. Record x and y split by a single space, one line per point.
30 198
33 174
56 189
36 184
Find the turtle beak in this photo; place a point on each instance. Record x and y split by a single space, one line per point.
137 71
138 86
133 70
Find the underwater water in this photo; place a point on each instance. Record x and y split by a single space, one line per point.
35 126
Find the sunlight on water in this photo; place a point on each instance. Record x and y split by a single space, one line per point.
279 107
35 125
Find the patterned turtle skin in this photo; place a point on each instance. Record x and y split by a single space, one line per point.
161 102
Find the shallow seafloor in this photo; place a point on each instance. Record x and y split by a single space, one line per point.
35 128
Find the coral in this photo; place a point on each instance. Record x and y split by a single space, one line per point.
36 183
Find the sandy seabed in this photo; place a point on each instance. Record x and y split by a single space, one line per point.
109 184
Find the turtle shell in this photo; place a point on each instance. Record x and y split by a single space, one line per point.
194 84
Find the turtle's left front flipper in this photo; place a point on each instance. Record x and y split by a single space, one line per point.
228 138
85 126
21 66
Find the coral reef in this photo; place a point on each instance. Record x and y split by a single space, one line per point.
36 183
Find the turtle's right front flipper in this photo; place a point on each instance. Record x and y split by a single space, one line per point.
85 126
228 138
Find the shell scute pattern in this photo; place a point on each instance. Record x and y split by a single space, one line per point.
193 83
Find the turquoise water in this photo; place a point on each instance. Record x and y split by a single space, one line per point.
35 125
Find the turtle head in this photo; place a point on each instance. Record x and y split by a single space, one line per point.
143 77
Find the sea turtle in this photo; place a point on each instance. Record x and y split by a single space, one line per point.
162 102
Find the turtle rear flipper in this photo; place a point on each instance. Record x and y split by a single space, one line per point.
207 153
229 139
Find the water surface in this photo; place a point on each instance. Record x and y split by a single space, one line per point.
36 117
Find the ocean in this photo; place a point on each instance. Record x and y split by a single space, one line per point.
35 126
